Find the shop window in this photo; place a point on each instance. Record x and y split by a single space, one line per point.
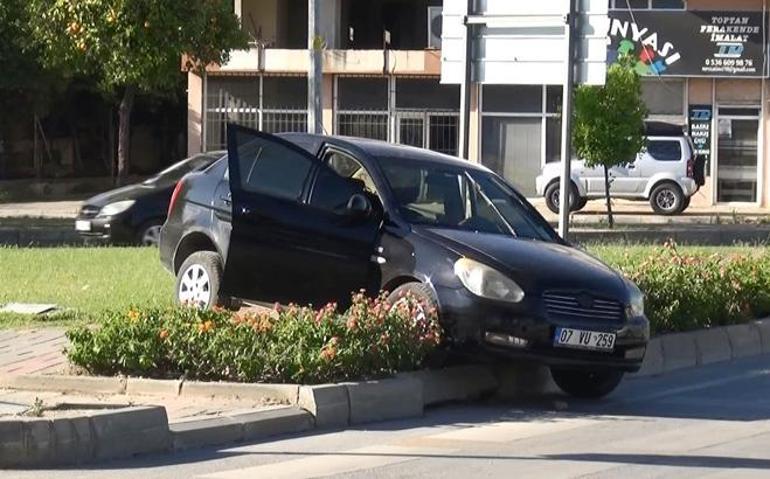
664 97
513 99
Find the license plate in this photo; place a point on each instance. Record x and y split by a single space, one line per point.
82 225
579 339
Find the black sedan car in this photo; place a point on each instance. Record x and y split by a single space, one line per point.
134 214
308 219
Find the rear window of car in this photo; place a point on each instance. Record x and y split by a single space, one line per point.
665 150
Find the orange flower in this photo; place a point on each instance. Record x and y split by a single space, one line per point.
163 334
352 323
133 315
329 352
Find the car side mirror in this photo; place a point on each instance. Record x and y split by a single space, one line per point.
359 206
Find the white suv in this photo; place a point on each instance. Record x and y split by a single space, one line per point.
667 174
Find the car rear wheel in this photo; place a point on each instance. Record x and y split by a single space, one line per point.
427 302
553 194
667 199
149 233
587 384
685 204
199 279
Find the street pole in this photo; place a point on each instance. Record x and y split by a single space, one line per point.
566 121
465 88
315 73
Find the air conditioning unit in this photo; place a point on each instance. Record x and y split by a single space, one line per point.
434 27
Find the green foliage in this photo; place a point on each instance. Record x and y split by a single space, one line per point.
692 291
294 345
134 42
608 127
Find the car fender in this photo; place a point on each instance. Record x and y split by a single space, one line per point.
201 234
658 178
579 183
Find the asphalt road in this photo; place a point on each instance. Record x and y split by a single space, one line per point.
708 422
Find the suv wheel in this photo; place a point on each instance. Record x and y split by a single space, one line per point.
586 384
553 194
149 233
199 279
667 199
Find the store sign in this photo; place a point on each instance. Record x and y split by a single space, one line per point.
700 128
691 43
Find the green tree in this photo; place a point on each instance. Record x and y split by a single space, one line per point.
608 126
133 46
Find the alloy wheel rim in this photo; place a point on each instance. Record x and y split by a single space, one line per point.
666 199
195 287
151 236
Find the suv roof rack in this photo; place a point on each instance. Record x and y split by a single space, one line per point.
661 128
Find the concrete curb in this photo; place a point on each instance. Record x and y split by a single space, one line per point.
110 434
706 346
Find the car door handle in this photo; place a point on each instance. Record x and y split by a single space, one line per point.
632 166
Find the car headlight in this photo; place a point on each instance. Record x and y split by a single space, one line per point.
116 208
487 282
635 306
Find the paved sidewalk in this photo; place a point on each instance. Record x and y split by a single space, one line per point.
32 351
40 209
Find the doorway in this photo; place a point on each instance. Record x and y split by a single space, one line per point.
737 161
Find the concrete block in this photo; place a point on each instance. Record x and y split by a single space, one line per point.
205 432
153 387
328 403
519 379
460 383
79 384
373 401
12 444
274 422
268 393
73 440
652 365
679 351
38 441
764 334
744 340
713 346
130 431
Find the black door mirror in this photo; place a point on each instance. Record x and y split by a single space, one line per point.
359 206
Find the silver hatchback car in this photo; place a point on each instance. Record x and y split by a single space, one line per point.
667 174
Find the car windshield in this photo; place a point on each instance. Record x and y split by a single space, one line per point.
175 172
445 196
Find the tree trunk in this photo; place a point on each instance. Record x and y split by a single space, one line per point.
124 133
610 219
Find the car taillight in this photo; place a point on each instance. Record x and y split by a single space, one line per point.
174 197
691 167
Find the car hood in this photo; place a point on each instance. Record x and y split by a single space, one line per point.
535 265
130 192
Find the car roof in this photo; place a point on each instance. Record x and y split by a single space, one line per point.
377 149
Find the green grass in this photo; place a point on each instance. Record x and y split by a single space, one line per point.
83 281
88 281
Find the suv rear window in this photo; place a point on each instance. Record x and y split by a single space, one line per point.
665 150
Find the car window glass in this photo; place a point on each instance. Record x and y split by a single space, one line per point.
331 192
270 168
455 198
348 167
665 150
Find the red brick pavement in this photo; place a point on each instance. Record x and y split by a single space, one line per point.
31 351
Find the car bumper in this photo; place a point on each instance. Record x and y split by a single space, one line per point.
540 184
689 186
111 229
511 332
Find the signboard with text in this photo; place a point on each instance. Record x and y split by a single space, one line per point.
700 117
691 43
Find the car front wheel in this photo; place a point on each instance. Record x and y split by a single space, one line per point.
586 384
553 198
199 279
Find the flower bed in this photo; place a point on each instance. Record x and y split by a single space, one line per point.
684 292
292 345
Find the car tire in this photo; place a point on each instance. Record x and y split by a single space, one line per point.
685 204
587 384
580 204
149 233
552 193
667 199
422 293
198 281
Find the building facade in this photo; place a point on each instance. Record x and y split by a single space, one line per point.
704 64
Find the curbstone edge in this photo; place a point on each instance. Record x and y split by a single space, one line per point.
280 393
79 384
744 340
679 351
764 334
712 346
328 403
373 401
460 383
